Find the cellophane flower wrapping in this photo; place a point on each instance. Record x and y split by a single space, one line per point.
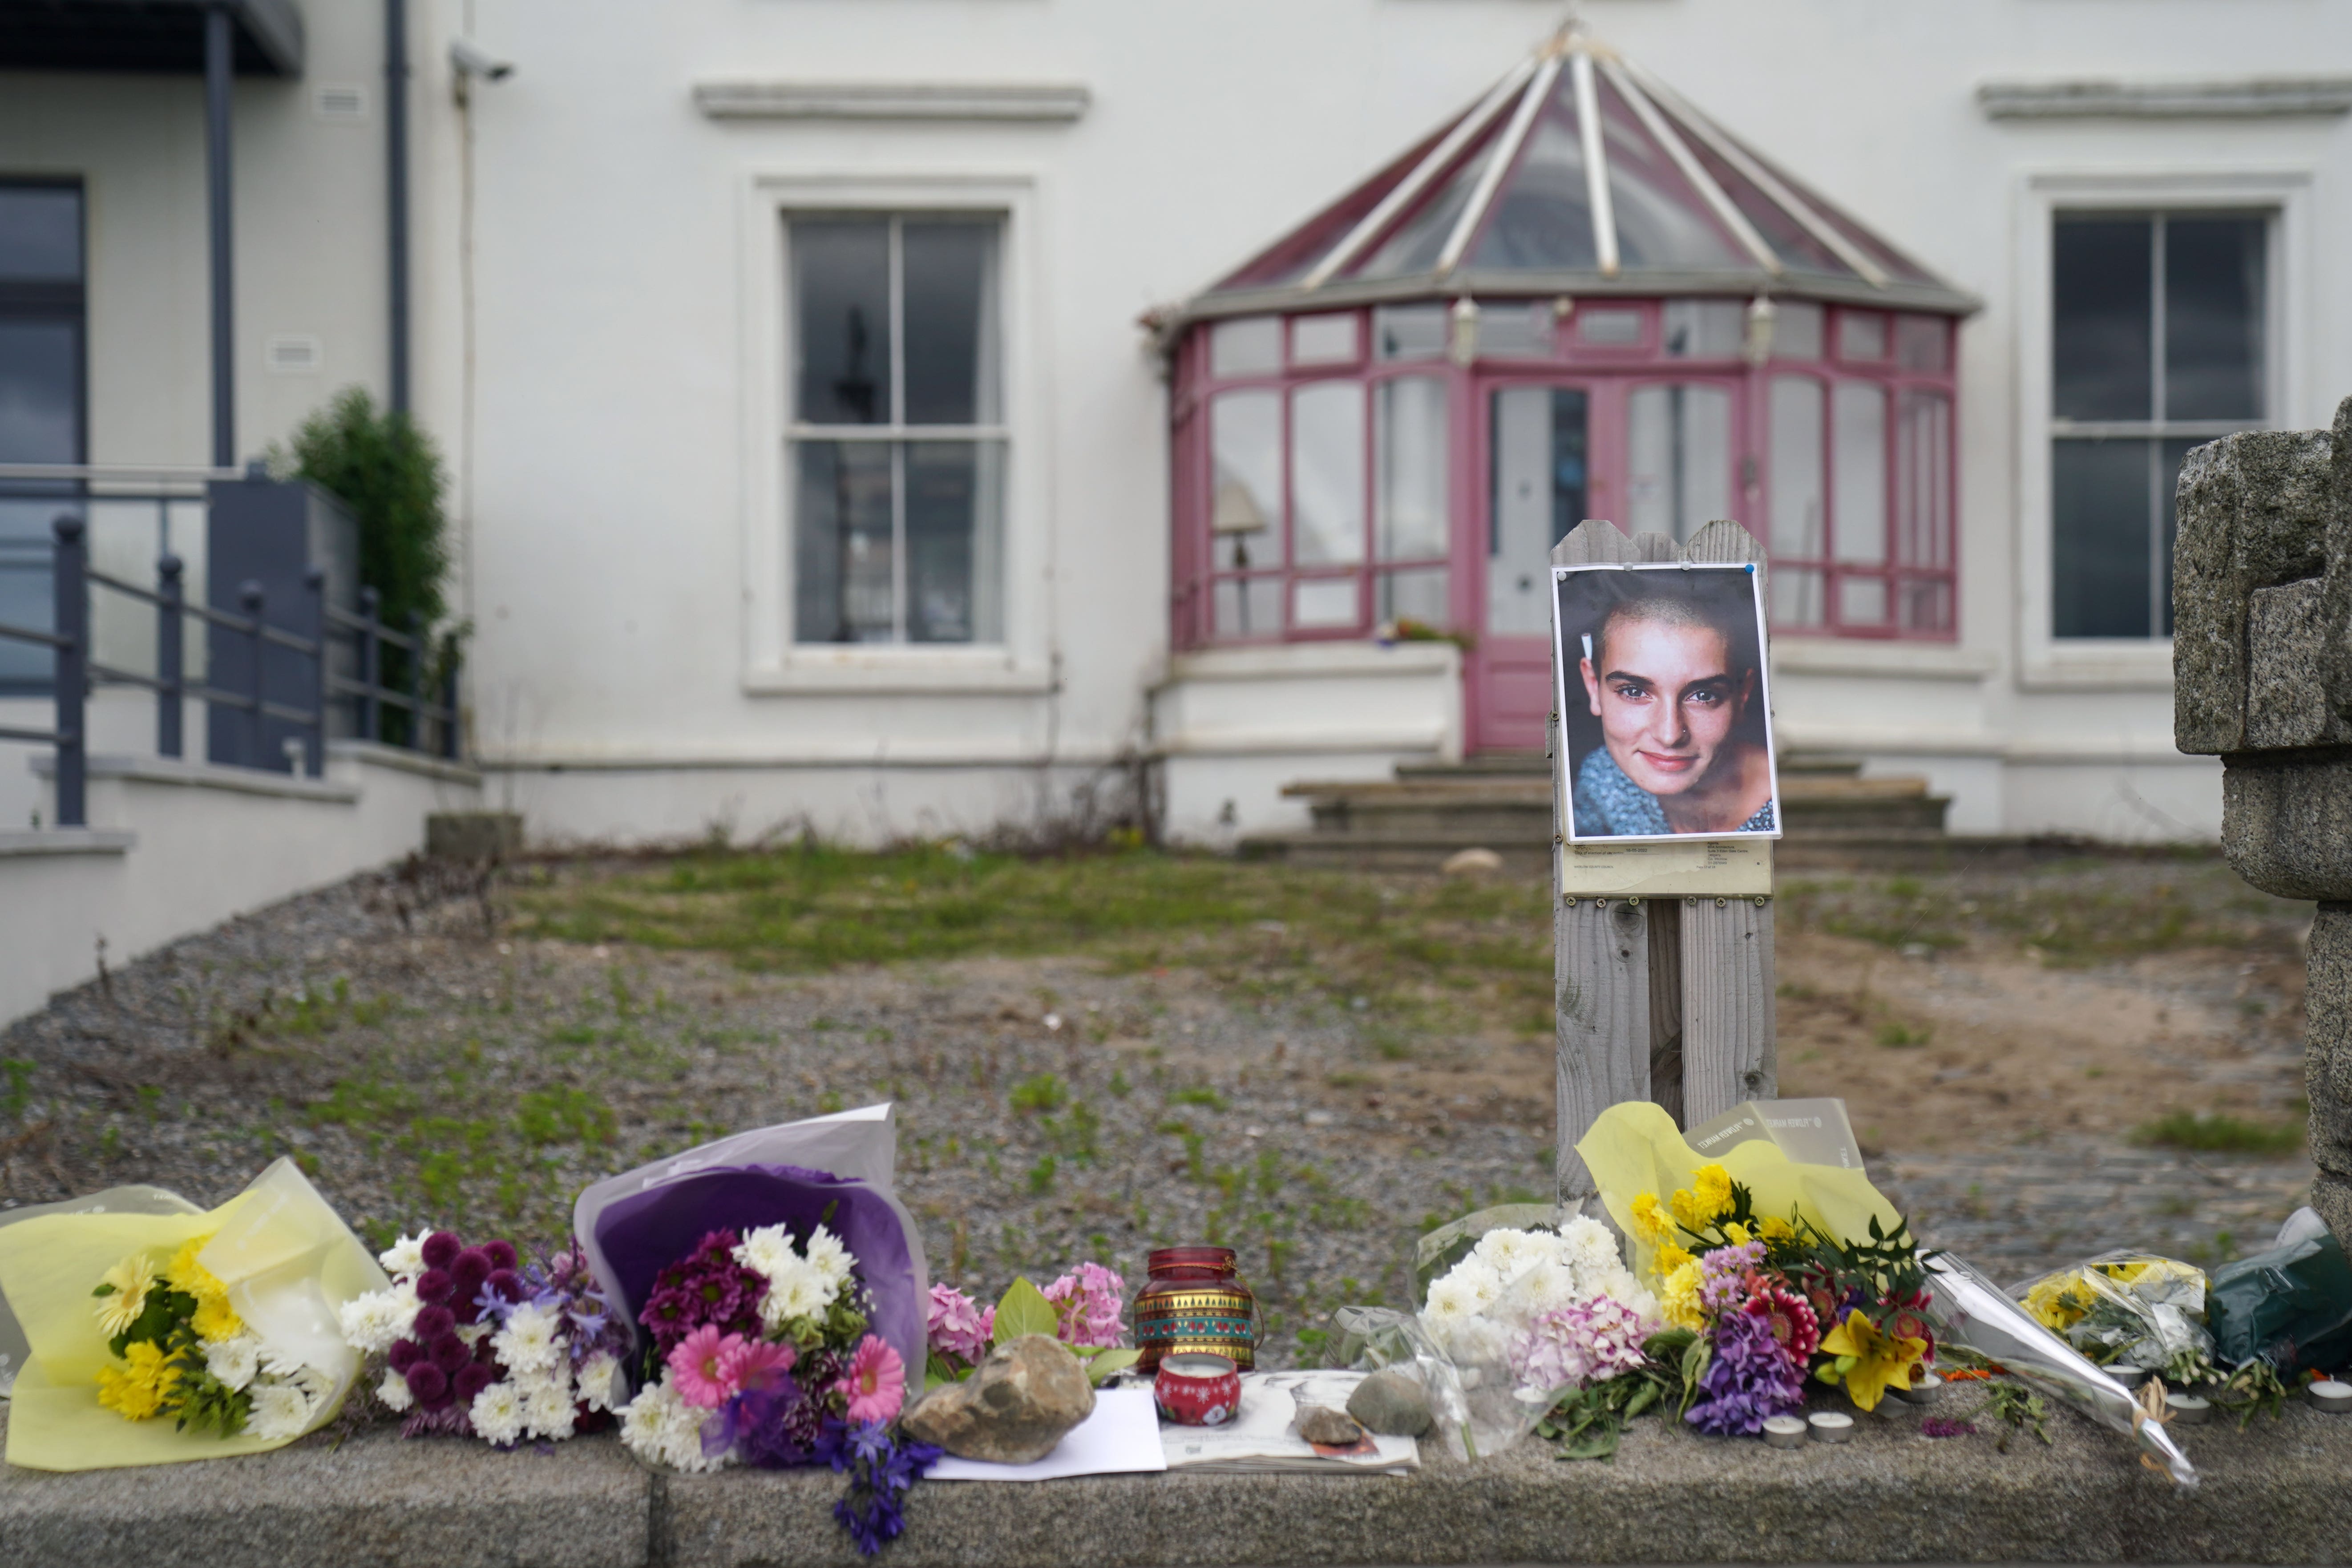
2127 1309
1518 1304
276 1263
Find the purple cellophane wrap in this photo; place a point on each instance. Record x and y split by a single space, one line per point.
644 1234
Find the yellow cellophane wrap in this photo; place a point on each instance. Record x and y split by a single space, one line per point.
1633 1147
288 1261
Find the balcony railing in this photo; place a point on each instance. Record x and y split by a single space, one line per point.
242 689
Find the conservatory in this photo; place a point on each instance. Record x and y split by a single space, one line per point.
1579 298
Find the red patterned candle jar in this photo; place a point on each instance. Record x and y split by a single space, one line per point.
1195 1301
1195 1389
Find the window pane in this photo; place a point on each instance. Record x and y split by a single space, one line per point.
1327 473
1922 342
1923 481
1925 605
1417 595
1796 597
1704 329
1862 335
1797 490
2171 454
40 234
1410 450
1796 331
1609 329
949 318
1245 446
2099 538
1408 331
955 540
1324 603
1250 346
1862 601
1515 331
1543 222
1679 457
1539 450
1415 247
1323 340
845 568
40 422
1858 523
841 292
2100 317
1247 608
2214 318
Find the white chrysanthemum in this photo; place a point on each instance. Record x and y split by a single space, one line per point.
404 1257
547 1411
1450 1299
280 1410
1507 1251
233 1361
800 1291
1587 1244
279 1360
599 1377
529 1340
1547 1286
371 1322
661 1429
472 1333
830 1259
497 1415
1484 1284
393 1392
768 1252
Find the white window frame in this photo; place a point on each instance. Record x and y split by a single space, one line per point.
2044 661
773 663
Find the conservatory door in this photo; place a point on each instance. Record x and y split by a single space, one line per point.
1653 456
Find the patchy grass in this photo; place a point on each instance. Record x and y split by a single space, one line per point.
2221 1134
1417 954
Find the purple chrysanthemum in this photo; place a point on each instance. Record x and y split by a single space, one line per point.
1747 1379
1724 1273
706 1287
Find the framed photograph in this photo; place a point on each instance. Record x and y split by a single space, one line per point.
1664 711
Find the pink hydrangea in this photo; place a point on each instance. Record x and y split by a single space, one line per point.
959 1326
1087 1304
875 1382
1583 1342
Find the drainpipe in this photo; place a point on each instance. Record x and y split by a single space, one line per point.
395 129
220 46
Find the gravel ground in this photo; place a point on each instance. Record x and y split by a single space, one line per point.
422 1061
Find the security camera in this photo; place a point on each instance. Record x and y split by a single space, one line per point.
470 60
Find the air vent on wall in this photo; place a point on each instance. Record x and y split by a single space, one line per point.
295 354
340 101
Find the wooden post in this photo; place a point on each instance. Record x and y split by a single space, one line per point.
1662 978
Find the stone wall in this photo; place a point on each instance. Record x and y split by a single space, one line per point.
2262 598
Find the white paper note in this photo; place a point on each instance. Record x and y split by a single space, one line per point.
1121 1435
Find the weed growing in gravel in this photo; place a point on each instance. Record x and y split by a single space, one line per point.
1044 1092
1902 1036
1199 1095
2221 1134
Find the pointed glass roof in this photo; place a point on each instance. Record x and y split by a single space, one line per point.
1579 172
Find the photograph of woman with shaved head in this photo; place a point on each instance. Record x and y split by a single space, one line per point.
1663 705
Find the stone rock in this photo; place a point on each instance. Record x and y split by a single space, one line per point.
1322 1424
1473 862
2327 1064
1390 1403
1013 1409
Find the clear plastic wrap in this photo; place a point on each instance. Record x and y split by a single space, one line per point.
2127 1309
1969 1310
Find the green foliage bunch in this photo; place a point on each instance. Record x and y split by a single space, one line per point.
388 471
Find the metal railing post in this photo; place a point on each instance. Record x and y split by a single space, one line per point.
71 609
171 654
314 583
449 702
251 599
365 722
417 680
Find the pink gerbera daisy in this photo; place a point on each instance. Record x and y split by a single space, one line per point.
696 1363
876 1382
754 1363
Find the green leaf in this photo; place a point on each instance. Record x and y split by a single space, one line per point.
1023 1311
1106 1363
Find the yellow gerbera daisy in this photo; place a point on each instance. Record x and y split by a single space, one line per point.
131 1280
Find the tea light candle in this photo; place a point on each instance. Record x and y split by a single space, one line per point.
1924 1386
2332 1396
2187 1409
1784 1431
1831 1426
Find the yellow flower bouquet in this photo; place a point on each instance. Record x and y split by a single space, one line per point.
153 1331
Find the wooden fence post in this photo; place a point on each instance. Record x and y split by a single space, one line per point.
1661 979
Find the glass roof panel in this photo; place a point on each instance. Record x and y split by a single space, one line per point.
1291 257
1414 246
1662 220
1541 220
1798 250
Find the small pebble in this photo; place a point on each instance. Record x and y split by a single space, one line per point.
1332 1428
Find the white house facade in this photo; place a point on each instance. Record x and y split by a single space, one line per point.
831 390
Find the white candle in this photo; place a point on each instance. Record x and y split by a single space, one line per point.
1831 1426
2332 1396
1784 1432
